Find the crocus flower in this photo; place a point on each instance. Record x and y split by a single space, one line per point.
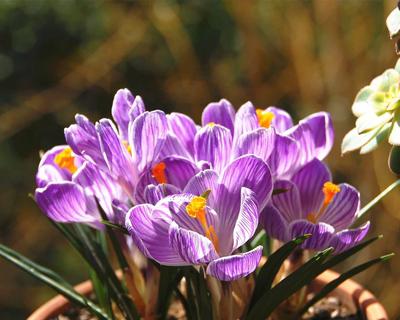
68 188
270 134
377 108
207 223
312 204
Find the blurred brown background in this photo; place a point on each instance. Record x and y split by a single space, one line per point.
61 57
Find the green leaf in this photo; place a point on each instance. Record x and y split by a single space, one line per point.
169 280
107 273
269 270
269 301
51 279
102 293
394 160
339 280
115 226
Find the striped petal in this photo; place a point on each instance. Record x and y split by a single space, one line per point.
344 207
309 181
66 202
221 113
184 129
213 144
321 234
192 247
151 235
235 266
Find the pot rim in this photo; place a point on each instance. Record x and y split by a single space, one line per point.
351 293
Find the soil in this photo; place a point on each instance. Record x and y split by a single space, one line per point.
330 308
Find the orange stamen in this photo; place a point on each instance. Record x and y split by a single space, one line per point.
264 118
66 160
158 172
330 190
197 209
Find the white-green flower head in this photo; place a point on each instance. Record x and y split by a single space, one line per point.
377 107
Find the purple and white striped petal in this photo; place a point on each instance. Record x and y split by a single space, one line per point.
282 120
154 193
117 157
274 224
284 158
322 130
151 235
235 266
184 129
121 106
213 144
221 113
174 209
178 172
321 234
67 202
347 239
309 181
173 147
245 121
101 185
259 142
288 200
84 141
48 171
193 247
344 207
202 182
147 136
249 172
247 220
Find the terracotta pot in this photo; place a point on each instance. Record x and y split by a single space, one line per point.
353 295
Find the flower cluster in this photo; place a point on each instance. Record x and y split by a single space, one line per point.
195 194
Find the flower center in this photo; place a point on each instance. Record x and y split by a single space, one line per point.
264 118
211 124
330 190
158 172
65 160
197 210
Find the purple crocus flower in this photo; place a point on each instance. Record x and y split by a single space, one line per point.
313 204
103 162
68 187
194 229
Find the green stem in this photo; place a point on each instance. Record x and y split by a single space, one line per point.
378 198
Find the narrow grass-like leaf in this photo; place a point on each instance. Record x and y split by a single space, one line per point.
115 226
61 287
271 267
299 278
102 293
169 280
122 298
339 280
293 282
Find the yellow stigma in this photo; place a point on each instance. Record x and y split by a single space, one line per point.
264 118
65 160
211 124
158 172
127 146
196 208
330 190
